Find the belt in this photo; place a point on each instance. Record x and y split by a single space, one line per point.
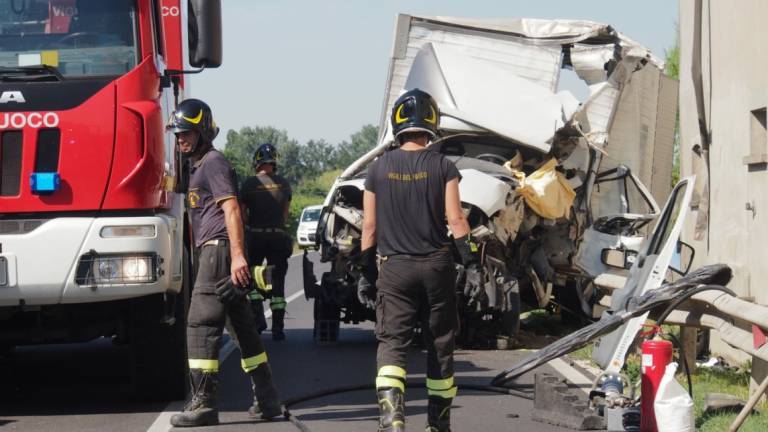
439 251
266 230
216 242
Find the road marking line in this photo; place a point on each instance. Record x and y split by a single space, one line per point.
571 374
163 421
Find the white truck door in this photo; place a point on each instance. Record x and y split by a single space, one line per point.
620 207
647 273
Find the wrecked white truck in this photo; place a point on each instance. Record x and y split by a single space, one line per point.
553 187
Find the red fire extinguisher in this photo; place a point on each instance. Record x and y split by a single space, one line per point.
657 354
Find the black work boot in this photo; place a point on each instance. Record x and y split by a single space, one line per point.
439 414
277 325
201 410
391 410
266 404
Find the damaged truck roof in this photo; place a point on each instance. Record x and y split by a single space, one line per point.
513 92
505 81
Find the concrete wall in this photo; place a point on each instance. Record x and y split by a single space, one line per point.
735 74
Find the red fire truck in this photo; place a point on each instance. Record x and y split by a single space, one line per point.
93 231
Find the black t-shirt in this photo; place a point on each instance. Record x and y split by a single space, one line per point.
212 181
266 196
410 200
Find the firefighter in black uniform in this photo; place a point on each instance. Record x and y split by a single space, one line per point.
223 276
410 193
266 199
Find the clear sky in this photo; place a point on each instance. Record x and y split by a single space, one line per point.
316 68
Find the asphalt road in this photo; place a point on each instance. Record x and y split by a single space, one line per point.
83 387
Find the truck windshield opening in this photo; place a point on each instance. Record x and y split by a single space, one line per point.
77 38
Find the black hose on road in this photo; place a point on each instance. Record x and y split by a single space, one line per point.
361 387
489 388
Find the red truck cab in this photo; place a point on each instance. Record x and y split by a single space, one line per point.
92 224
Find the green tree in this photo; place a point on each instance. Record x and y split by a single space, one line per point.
317 157
242 145
291 165
672 69
360 143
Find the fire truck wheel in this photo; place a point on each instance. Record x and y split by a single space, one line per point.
158 350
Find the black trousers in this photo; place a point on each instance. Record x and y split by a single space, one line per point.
208 316
276 248
417 287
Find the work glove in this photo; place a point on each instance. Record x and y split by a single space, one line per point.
262 279
467 251
261 282
474 290
228 292
366 285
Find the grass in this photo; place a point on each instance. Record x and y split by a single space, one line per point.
730 381
706 380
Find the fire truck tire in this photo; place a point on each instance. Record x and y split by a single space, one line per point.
158 350
6 350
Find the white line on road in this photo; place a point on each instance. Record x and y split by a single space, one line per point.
163 421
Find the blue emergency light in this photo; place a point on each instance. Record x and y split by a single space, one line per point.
44 182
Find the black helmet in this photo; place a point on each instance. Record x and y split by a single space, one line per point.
266 153
194 114
415 111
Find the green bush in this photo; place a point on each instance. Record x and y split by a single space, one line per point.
309 192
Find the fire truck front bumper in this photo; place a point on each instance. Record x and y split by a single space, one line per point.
82 260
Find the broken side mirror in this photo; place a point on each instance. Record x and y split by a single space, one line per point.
205 35
619 258
682 258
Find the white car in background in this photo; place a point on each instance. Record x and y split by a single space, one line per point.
305 233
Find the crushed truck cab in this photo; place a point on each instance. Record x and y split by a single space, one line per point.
554 188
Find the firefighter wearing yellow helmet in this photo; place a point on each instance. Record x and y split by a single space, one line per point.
223 276
266 200
410 193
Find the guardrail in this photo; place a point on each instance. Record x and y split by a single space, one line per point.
726 314
720 311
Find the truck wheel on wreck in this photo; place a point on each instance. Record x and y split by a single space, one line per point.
326 314
510 321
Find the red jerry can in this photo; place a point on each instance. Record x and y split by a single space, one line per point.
657 354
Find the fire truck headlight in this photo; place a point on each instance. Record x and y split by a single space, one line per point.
136 268
147 231
107 269
96 269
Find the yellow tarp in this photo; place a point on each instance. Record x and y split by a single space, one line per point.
547 192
